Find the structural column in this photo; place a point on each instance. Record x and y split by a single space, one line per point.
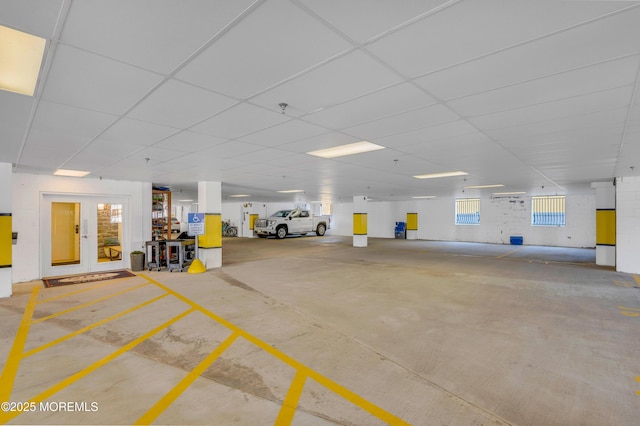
605 223
210 244
412 226
6 228
360 221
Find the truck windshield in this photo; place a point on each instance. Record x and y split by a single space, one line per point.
281 213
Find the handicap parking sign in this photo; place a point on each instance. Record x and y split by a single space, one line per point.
196 224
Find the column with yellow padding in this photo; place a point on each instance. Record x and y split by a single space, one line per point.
605 223
6 229
412 226
360 221
210 244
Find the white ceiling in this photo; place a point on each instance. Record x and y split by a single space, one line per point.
541 96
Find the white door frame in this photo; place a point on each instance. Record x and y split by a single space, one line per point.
88 233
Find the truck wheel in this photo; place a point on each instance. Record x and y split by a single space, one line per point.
281 232
320 230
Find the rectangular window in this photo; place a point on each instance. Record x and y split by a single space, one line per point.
468 211
548 210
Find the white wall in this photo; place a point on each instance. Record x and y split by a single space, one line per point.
26 197
628 224
500 218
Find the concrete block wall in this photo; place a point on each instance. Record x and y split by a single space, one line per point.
501 217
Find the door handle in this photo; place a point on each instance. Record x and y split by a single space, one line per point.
77 229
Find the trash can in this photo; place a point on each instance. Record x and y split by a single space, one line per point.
516 240
401 230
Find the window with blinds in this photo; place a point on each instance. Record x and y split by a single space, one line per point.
548 211
467 211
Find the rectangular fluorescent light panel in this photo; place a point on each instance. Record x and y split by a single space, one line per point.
509 193
20 60
289 191
349 149
425 196
441 175
72 173
239 195
483 186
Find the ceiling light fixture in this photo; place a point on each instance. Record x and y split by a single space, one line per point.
289 191
283 106
484 186
441 175
72 173
424 196
20 59
348 149
239 195
509 193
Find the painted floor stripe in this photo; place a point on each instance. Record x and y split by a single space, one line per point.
82 290
174 393
91 368
15 355
290 403
509 253
92 326
93 302
298 366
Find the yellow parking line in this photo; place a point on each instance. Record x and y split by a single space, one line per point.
290 403
92 326
637 279
84 305
15 355
93 367
82 290
298 366
509 253
174 393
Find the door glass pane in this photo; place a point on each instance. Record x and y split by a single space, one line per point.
109 232
65 234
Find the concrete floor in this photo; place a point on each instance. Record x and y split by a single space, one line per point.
313 331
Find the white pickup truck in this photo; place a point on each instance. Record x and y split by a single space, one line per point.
295 221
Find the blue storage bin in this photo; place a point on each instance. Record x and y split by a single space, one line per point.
516 240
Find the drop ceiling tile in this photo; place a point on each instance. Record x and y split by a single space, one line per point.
467 30
156 35
85 80
562 108
137 132
62 121
262 50
187 141
428 134
405 122
240 120
325 140
349 76
605 76
234 148
13 122
380 16
31 16
283 133
385 102
605 39
180 105
263 155
585 121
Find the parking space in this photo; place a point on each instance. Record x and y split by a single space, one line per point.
314 331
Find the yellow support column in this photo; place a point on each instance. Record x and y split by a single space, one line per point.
412 226
360 221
